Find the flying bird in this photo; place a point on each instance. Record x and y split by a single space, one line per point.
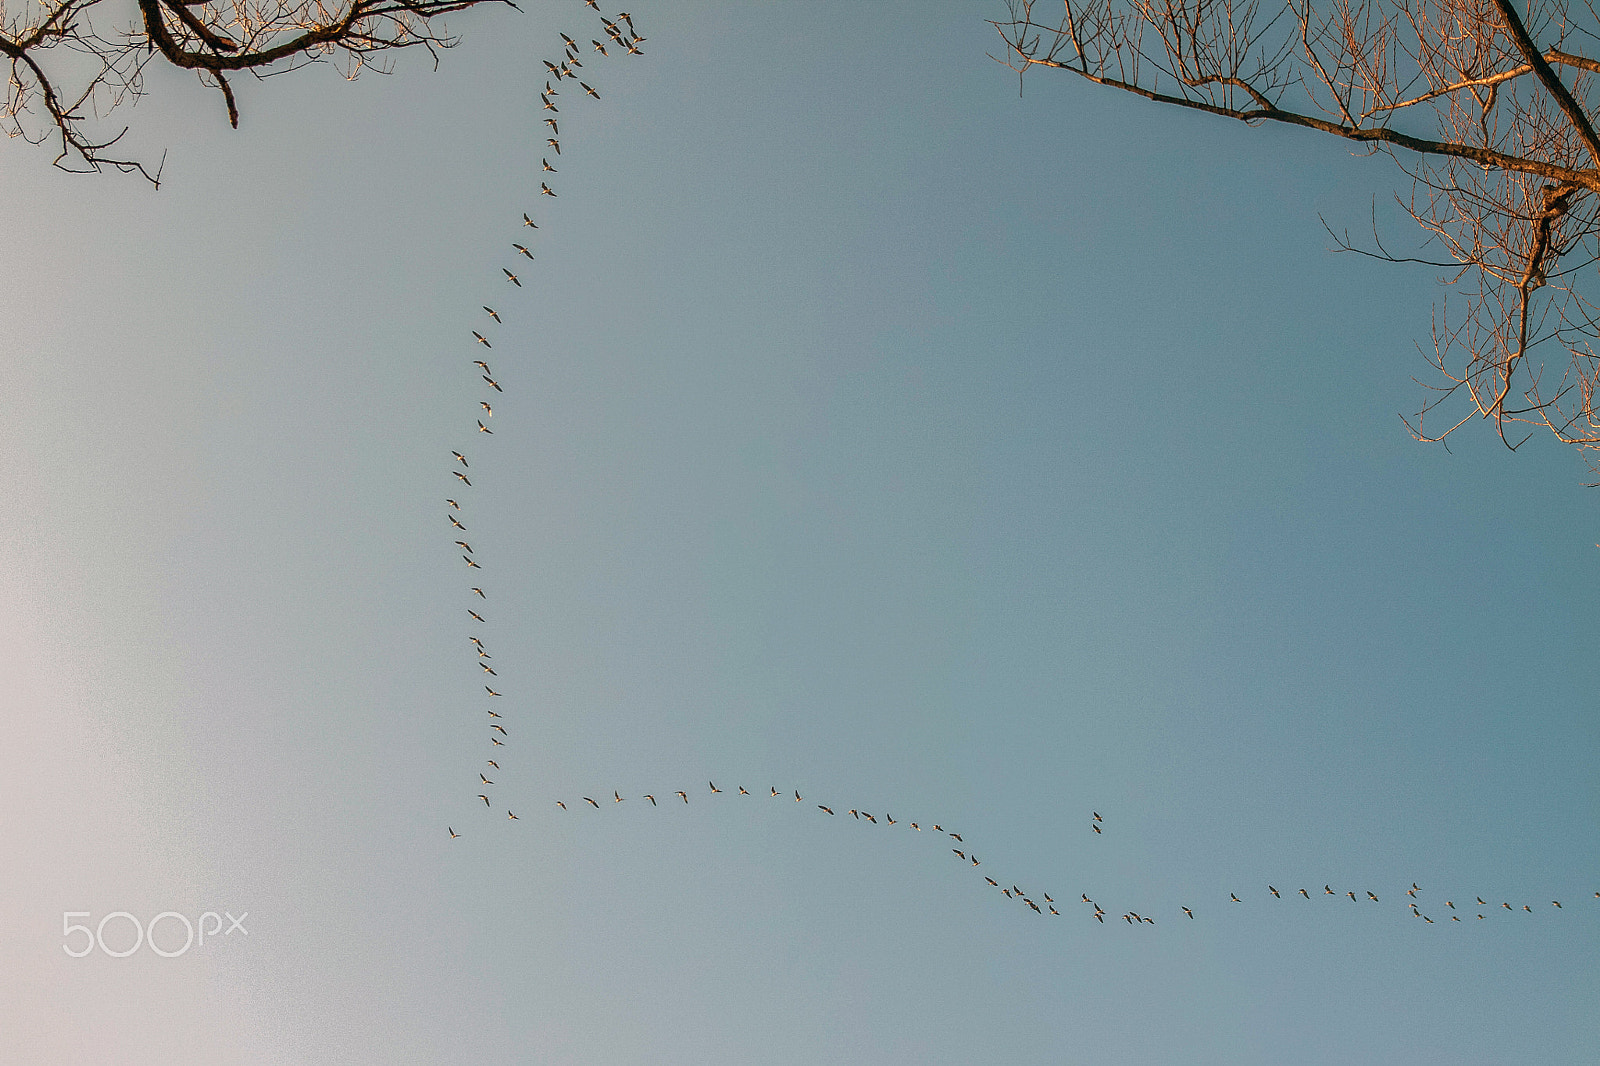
512 276
493 384
591 803
1095 826
820 807
453 522
797 796
563 806
953 836
482 339
463 477
546 190
502 730
484 798
454 504
480 595
553 143
470 563
714 788
488 669
1236 899
1304 893
742 792
497 740
486 408
492 313
651 798
485 780
521 249
618 796
511 816
1187 911
484 429
1273 891
683 796
992 881
526 221
548 169
774 791
598 47
589 90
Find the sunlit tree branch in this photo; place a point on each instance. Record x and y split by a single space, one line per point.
1468 97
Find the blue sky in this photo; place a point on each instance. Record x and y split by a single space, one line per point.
868 430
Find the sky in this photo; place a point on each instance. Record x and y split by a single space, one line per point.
868 431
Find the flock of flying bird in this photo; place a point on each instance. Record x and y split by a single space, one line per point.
624 39
621 38
1041 902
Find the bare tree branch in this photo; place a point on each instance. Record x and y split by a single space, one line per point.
1502 156
66 42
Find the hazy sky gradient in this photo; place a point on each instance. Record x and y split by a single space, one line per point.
868 430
